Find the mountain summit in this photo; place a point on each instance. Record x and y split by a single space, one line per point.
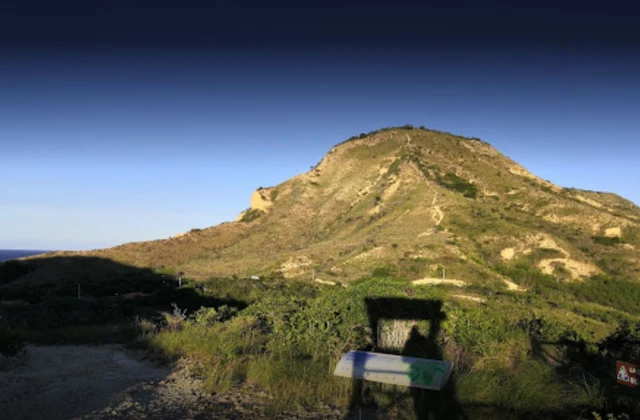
413 203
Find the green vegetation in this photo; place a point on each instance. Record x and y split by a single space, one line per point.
620 294
383 272
251 215
462 185
12 270
631 234
289 346
457 184
11 342
541 353
407 127
545 353
606 240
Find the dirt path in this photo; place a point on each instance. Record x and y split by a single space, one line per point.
105 382
62 382
436 211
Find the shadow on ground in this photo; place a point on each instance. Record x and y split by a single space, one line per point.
575 361
425 403
58 292
84 301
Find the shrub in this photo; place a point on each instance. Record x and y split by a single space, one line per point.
619 294
623 343
220 352
382 272
460 185
209 316
11 342
251 214
606 240
12 270
175 319
631 234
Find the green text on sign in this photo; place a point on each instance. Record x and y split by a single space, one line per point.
395 370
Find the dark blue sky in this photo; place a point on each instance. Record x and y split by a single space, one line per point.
133 121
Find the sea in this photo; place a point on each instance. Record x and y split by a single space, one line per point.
10 254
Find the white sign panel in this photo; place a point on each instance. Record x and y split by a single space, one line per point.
395 370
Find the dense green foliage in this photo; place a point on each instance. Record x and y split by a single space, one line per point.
620 294
12 270
289 344
457 184
606 240
511 352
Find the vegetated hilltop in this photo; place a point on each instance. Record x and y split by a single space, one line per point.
409 202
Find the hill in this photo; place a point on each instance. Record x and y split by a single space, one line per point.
409 202
449 249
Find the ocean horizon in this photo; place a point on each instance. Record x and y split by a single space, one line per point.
11 254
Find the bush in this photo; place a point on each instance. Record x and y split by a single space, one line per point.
460 185
220 352
289 343
606 240
382 272
623 343
251 214
527 274
175 320
12 270
619 294
210 316
11 342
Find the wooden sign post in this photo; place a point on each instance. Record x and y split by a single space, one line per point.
626 374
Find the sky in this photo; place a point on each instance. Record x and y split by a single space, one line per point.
130 121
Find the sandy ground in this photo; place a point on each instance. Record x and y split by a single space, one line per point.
470 297
436 281
105 382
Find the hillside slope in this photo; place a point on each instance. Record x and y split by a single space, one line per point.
409 202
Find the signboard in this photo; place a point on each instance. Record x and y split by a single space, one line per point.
626 374
395 370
